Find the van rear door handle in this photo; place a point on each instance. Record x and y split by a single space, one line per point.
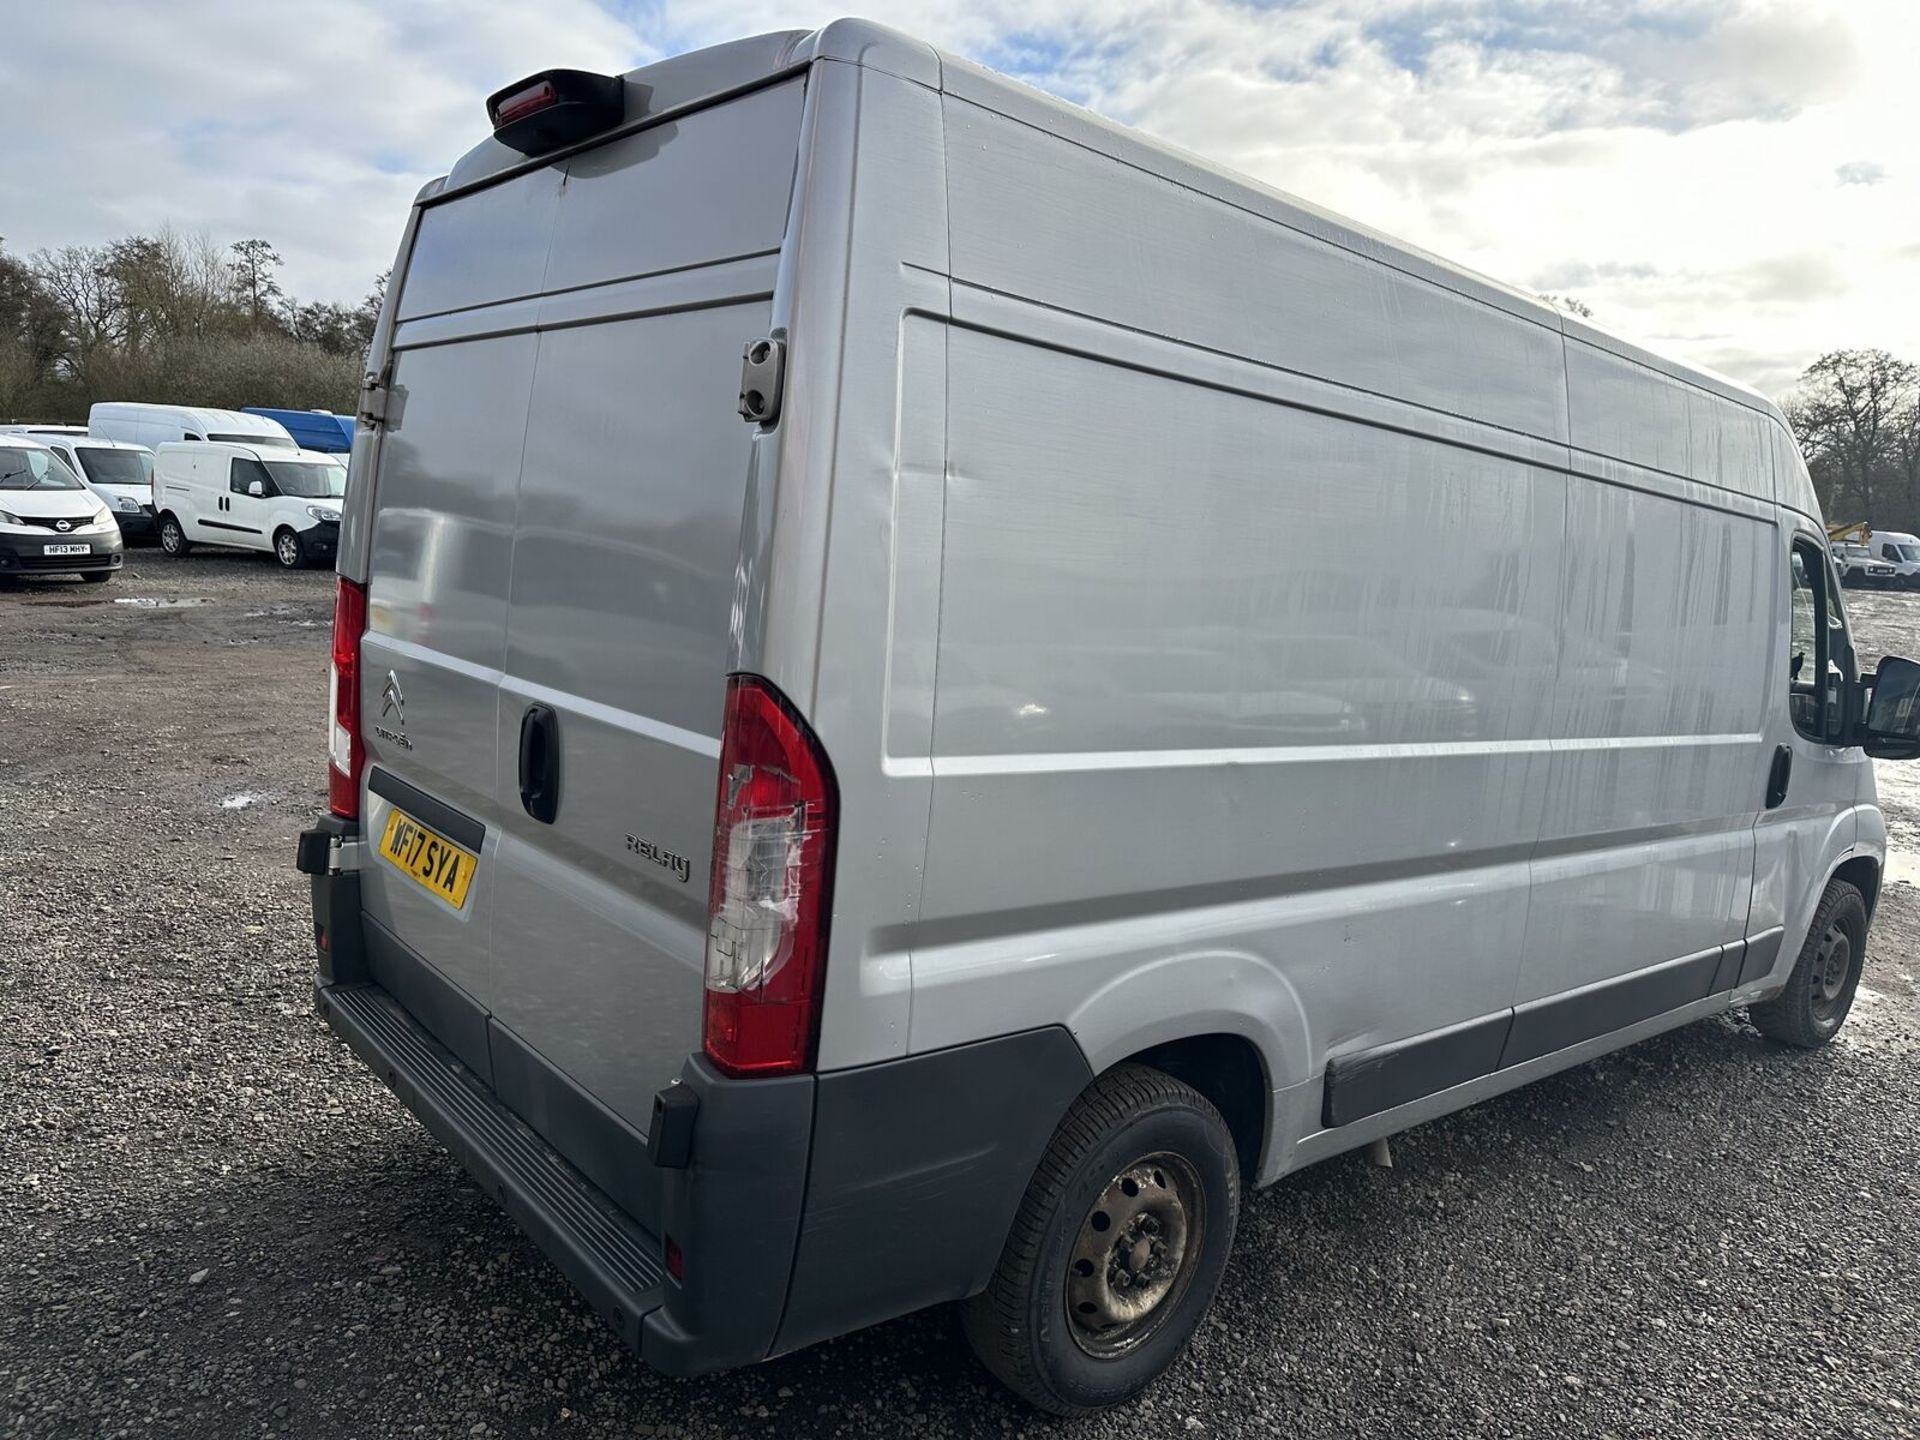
540 763
1778 776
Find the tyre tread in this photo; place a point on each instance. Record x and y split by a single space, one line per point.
994 1321
1788 1017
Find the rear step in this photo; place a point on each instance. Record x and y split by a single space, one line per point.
614 1263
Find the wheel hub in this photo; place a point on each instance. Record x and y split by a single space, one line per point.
1833 963
1134 1254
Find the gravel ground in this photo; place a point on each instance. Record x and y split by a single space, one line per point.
213 1222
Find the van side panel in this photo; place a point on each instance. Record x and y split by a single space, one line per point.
1182 714
1646 853
1038 216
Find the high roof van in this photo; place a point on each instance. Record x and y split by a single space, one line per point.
856 781
157 425
311 429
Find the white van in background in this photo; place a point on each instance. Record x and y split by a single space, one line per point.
119 472
157 425
256 497
50 522
1900 550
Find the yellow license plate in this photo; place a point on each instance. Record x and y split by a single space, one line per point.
429 858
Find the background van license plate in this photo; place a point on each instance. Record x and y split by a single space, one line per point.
432 860
68 549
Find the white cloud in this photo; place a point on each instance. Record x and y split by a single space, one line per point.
1722 178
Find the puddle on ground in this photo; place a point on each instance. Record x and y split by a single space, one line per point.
150 602
1901 868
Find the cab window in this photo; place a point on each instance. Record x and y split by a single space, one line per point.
245 473
1818 655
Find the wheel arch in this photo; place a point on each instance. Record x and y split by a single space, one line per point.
1225 1022
1228 1070
1863 873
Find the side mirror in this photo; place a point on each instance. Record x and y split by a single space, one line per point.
1889 727
256 489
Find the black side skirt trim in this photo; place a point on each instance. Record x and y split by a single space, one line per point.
460 828
1371 1081
1375 1080
1762 951
1544 1026
238 529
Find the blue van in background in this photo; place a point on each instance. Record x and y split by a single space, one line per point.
312 429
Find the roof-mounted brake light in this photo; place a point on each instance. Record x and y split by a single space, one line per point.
556 108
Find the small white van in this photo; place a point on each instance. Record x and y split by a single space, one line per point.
1900 550
157 425
120 472
855 780
281 500
51 523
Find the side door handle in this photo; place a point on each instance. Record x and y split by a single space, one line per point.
540 763
1779 775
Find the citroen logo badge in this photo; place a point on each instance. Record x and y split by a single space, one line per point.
392 702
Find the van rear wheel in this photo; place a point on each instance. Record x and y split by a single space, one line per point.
288 550
173 539
1819 993
1117 1249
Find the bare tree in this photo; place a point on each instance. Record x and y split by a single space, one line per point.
82 282
1847 414
254 284
1569 304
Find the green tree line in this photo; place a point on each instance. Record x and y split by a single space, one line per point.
171 318
1857 416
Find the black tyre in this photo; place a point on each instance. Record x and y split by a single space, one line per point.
1819 993
96 577
1117 1249
173 539
288 550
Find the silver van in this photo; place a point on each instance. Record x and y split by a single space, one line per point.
857 783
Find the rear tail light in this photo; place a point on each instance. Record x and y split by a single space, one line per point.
346 755
773 838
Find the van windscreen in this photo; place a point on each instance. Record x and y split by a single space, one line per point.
306 480
114 467
22 469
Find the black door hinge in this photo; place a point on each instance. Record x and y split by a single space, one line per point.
762 371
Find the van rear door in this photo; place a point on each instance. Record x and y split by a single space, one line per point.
430 665
625 551
553 553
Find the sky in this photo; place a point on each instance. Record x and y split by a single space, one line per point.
1732 182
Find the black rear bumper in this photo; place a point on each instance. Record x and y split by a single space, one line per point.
616 1265
807 1206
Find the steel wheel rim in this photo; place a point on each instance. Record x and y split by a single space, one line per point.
170 538
289 551
1135 1254
1832 968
